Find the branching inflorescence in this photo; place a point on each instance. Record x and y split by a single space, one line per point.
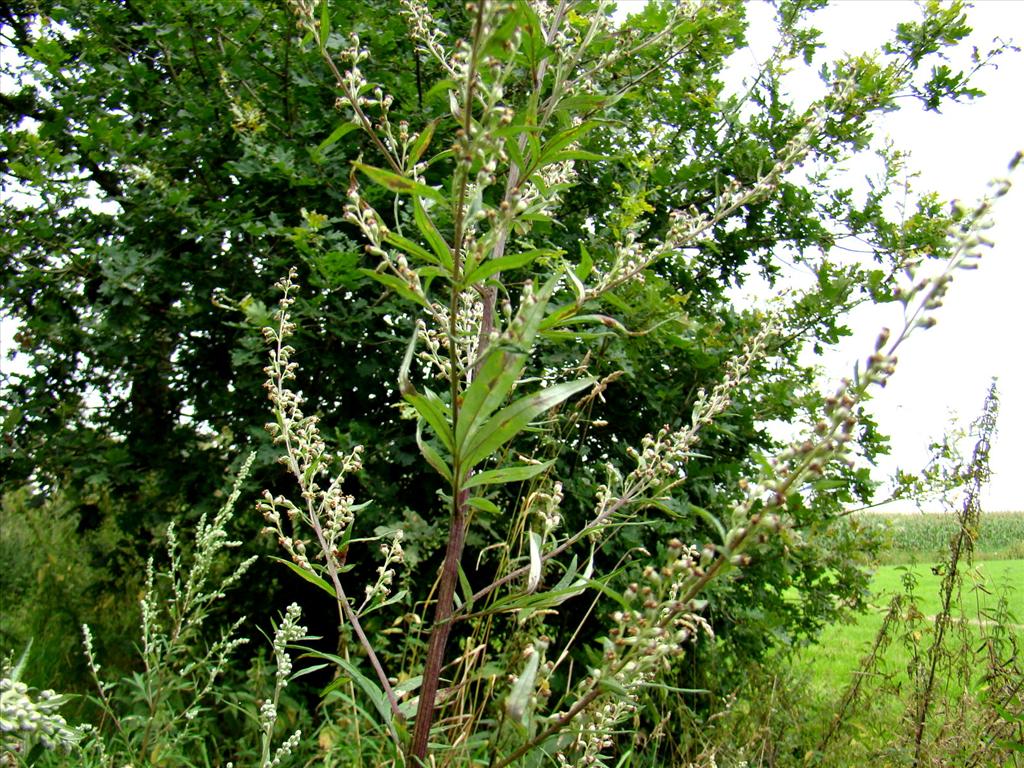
515 87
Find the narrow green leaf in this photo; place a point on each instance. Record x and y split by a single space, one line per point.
575 154
513 261
528 604
535 152
467 590
576 105
577 286
586 264
336 135
307 671
440 157
440 89
397 285
413 249
675 689
493 382
534 46
514 474
575 335
484 505
605 320
501 367
516 128
560 141
19 668
365 684
515 155
711 520
612 686
312 578
510 421
422 142
519 697
433 457
395 598
325 23
405 385
429 273
536 218
558 316
334 685
400 184
533 577
435 413
432 236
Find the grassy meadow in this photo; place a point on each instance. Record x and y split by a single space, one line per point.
988 605
833 662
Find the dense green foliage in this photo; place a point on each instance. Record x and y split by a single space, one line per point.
171 161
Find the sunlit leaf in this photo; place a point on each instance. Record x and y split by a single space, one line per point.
309 576
397 285
510 421
432 236
400 184
514 474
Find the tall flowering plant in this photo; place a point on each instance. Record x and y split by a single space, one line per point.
461 245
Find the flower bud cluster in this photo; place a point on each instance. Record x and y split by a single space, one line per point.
151 627
545 506
560 36
287 747
631 258
572 45
27 718
651 630
426 30
305 12
438 345
831 437
806 458
662 458
393 555
361 214
289 631
324 508
543 190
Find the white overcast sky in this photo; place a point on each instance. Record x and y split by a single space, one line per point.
948 368
945 371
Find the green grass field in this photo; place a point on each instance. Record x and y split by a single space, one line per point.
917 542
878 720
993 587
833 661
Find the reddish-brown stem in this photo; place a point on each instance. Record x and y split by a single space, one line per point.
439 634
